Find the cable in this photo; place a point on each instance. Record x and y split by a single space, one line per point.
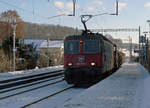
31 12
56 16
25 10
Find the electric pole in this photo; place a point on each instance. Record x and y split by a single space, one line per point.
130 41
14 25
48 52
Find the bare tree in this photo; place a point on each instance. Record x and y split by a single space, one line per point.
6 19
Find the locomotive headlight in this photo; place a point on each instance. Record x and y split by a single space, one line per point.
92 64
69 64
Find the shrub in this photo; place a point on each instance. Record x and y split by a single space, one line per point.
5 64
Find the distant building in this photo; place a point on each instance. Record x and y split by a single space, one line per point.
43 45
127 53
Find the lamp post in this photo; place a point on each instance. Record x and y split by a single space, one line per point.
48 52
139 44
14 25
145 47
149 26
148 47
130 41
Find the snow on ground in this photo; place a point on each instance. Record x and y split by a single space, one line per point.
146 93
20 100
127 88
8 75
27 88
59 99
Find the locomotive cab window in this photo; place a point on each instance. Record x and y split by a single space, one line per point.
72 47
92 46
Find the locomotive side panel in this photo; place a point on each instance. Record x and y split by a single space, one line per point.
108 56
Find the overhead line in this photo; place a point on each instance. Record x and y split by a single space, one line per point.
31 12
12 5
56 16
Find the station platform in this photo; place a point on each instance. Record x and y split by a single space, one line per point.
129 87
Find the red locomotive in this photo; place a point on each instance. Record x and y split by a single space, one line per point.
88 56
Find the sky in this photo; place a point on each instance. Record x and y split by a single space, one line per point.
132 13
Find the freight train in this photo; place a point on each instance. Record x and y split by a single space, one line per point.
88 56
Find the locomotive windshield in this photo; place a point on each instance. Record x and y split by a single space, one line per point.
72 47
91 46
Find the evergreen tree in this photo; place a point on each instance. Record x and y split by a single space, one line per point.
7 46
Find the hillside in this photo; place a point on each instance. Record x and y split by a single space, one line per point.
43 31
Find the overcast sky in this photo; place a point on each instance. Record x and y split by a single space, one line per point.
132 13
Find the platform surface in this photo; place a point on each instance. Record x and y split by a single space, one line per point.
129 87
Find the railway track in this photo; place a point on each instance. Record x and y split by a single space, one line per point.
28 76
6 95
9 83
47 97
51 85
37 89
52 88
16 85
30 84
